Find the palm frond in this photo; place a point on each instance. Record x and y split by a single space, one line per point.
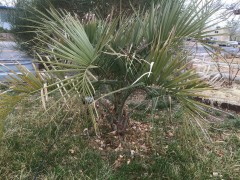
143 50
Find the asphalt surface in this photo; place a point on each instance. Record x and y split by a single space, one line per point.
202 61
10 52
10 57
200 49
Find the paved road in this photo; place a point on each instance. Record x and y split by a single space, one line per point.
200 49
9 51
10 57
203 63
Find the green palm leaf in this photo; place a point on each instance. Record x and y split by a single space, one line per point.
141 51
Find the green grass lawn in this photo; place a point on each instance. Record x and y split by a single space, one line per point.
35 145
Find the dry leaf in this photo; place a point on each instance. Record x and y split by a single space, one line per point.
119 147
132 152
72 151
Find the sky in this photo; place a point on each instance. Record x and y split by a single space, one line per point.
230 1
7 2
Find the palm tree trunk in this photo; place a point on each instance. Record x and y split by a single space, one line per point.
121 117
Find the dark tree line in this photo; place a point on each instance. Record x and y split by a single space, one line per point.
24 12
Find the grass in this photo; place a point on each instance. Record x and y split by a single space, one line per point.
35 147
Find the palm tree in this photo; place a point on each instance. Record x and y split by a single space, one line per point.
112 58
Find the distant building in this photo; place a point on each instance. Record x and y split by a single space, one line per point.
219 34
5 15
